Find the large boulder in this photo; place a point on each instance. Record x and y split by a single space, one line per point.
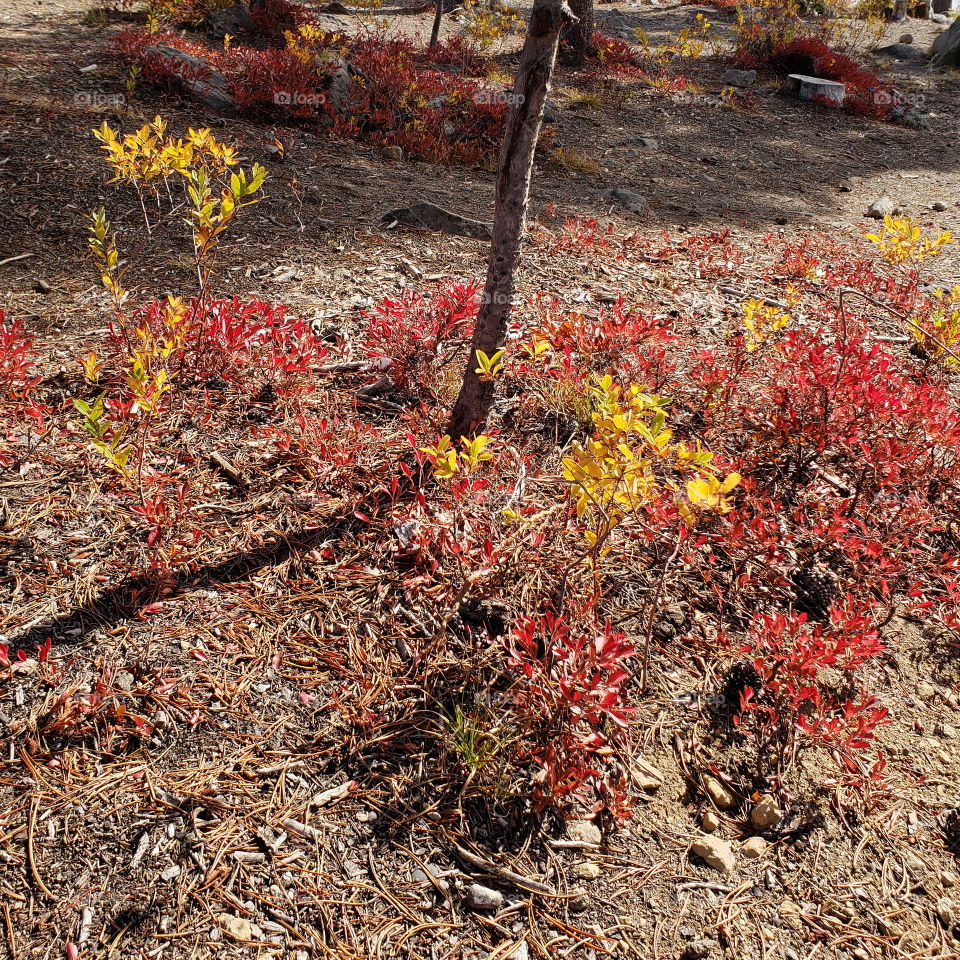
233 21
340 82
197 77
429 216
902 51
946 48
634 202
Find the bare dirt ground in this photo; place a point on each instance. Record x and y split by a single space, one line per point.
253 833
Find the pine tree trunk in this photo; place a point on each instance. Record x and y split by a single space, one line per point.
510 208
437 17
578 36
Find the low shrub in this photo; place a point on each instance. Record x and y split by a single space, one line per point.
813 56
432 102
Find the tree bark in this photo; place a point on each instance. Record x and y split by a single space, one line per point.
437 16
510 207
577 37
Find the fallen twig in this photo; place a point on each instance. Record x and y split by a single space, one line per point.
19 256
504 873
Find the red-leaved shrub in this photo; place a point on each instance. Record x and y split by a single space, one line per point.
415 334
570 699
811 55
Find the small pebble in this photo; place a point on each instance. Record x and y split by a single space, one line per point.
718 793
766 813
883 207
579 902
715 853
700 949
755 847
587 870
480 897
583 831
945 911
239 928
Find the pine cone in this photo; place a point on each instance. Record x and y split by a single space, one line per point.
739 677
951 829
815 590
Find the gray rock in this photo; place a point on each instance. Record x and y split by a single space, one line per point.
939 206
940 18
716 853
340 86
709 822
551 112
579 902
233 20
901 51
124 680
206 84
429 216
480 897
884 207
905 38
41 286
946 912
633 202
430 875
740 78
583 831
700 949
946 48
